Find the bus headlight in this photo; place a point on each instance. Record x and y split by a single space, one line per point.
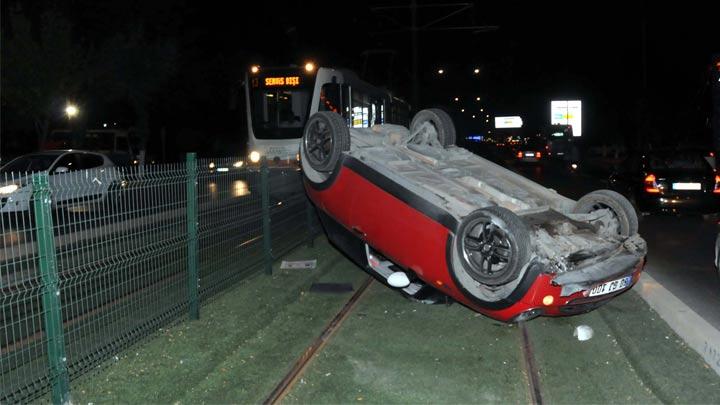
254 156
8 189
309 67
255 68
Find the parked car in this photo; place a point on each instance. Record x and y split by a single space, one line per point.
673 181
434 220
71 183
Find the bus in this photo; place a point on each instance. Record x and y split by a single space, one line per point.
279 102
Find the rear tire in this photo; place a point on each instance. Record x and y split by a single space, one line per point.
493 245
623 211
325 138
440 121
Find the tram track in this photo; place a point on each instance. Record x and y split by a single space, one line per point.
531 370
287 383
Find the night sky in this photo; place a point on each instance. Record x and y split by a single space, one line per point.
193 53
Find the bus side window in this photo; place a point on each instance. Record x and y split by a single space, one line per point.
330 98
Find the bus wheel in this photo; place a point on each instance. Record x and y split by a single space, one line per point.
325 138
430 124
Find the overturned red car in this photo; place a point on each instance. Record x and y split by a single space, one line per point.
438 222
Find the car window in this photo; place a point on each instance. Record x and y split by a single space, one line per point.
29 163
69 161
89 161
681 161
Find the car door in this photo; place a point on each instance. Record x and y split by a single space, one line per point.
62 179
95 176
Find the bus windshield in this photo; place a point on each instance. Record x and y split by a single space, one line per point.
279 112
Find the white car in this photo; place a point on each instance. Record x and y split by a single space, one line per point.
76 178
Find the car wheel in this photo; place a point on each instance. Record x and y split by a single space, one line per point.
624 221
441 127
325 138
493 245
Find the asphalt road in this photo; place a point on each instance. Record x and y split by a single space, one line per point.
680 248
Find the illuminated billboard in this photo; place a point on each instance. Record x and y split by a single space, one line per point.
567 112
508 122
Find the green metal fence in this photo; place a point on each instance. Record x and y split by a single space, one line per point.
94 260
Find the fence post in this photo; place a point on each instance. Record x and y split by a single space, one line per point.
265 192
192 230
310 213
52 311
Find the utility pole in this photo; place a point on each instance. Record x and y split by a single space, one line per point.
416 26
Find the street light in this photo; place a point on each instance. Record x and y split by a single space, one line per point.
462 110
476 71
441 71
457 99
477 98
71 111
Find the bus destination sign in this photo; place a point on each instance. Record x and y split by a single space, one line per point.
282 81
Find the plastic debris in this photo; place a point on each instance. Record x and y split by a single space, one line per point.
583 332
299 264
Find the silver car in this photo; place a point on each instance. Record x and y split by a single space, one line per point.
76 177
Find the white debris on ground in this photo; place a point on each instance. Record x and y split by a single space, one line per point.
583 332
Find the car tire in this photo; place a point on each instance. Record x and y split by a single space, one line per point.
440 120
325 137
622 209
493 245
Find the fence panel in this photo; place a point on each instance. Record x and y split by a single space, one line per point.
121 240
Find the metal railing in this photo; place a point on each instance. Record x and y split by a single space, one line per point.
94 260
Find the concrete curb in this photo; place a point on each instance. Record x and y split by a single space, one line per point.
693 329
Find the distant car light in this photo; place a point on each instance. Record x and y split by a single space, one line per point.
519 155
538 155
223 169
651 185
716 190
211 165
254 156
574 166
8 189
238 164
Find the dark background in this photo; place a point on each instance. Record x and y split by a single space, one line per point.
642 70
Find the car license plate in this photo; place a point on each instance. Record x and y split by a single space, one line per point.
610 286
687 186
529 154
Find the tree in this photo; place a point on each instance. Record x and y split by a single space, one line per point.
42 69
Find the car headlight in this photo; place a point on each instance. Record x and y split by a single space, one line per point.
211 165
8 189
254 156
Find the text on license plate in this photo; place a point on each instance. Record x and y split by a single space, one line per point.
610 286
686 186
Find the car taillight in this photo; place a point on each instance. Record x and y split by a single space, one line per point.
651 185
538 155
519 155
716 190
